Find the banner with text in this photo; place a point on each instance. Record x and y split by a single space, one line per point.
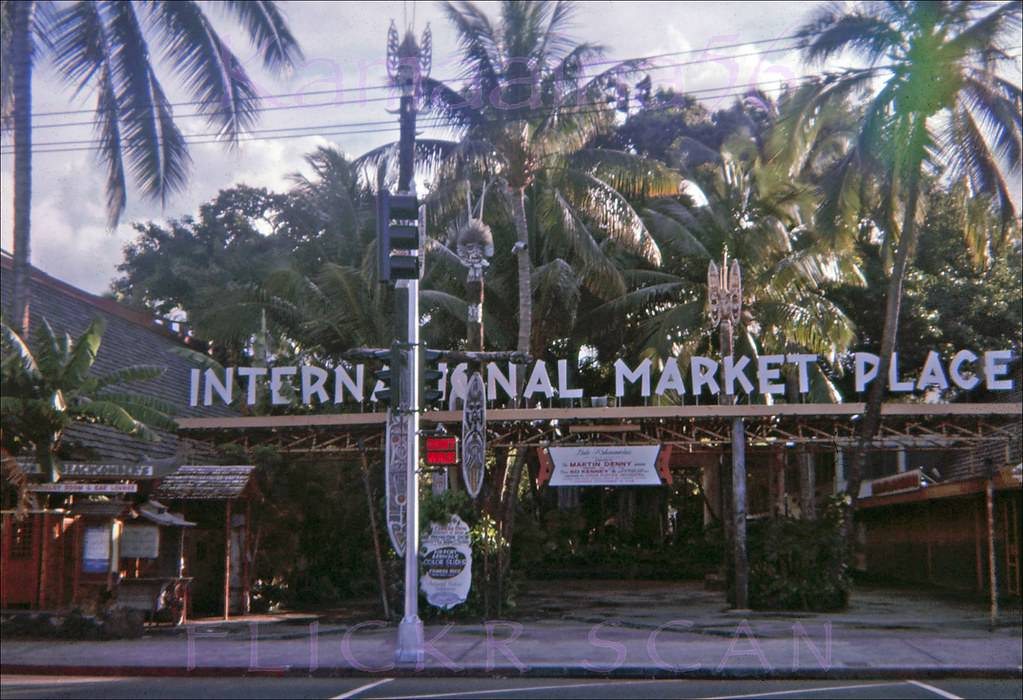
624 465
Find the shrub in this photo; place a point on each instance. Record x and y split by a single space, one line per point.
800 564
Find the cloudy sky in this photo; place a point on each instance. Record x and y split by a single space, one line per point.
344 46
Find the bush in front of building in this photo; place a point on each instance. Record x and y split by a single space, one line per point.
800 564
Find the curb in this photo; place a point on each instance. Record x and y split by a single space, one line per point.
630 672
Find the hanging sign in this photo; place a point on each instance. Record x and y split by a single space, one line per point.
75 487
619 465
446 556
474 435
90 470
396 483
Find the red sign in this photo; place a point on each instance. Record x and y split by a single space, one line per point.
441 451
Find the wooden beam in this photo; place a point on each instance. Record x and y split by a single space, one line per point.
605 428
504 415
227 559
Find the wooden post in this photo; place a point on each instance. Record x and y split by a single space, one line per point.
76 559
247 556
5 555
989 494
37 559
227 559
376 537
930 542
181 575
978 548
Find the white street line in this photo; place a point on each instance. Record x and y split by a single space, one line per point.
801 691
527 689
937 691
355 691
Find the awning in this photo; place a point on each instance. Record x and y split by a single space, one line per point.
207 483
156 512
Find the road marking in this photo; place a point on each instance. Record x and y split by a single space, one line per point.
801 691
528 689
937 691
355 691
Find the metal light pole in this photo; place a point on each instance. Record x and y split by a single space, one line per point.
724 286
406 66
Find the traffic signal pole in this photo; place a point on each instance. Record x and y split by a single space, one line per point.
410 630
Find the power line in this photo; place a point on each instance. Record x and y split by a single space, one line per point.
387 125
438 123
385 98
387 122
309 93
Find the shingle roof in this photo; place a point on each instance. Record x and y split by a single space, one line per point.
210 483
131 338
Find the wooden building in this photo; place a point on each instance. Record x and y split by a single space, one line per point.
67 551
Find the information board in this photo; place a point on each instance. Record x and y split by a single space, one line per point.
446 557
140 542
616 465
96 550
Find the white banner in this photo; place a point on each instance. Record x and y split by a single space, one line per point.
627 465
446 556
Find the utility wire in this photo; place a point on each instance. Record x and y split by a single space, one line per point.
388 125
383 98
459 78
386 98
388 122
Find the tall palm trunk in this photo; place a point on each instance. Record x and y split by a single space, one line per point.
893 306
22 50
517 200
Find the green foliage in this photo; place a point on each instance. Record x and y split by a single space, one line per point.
50 385
800 564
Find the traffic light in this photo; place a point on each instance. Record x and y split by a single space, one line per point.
429 376
397 237
395 391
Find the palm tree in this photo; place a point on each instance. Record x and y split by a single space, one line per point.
103 46
936 103
48 388
524 119
757 216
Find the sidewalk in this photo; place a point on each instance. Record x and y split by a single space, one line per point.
596 628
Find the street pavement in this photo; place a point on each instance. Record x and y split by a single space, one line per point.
583 630
28 687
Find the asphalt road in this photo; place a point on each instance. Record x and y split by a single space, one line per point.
102 687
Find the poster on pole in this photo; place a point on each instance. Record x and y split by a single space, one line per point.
446 556
396 482
605 465
474 435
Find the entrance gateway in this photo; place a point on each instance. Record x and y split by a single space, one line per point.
963 440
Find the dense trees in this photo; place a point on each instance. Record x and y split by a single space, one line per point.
937 101
603 226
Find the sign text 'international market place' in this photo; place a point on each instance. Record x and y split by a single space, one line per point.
740 375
